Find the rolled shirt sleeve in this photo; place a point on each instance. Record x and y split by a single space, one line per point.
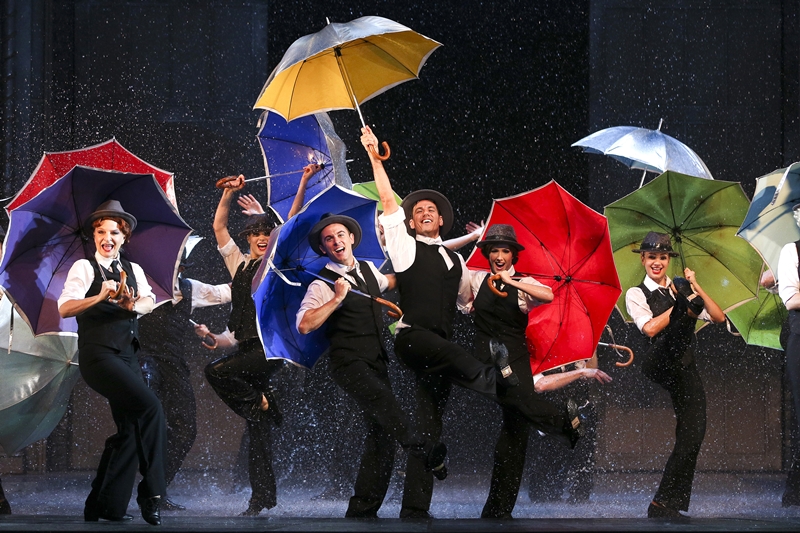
205 295
401 247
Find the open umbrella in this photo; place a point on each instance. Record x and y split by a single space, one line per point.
289 146
567 247
768 226
648 150
36 379
289 271
702 217
46 236
344 65
759 321
369 190
108 155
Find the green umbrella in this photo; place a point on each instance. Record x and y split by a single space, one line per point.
369 190
702 217
769 225
760 321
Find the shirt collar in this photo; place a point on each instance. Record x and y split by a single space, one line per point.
343 269
105 262
653 286
430 240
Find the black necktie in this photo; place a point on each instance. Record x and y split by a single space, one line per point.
115 266
360 283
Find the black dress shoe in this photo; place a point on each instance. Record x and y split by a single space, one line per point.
169 505
257 505
500 356
151 510
656 510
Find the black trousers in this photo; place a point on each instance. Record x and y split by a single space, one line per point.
368 384
140 440
793 373
685 387
169 377
239 380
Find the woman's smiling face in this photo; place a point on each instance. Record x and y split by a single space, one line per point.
108 238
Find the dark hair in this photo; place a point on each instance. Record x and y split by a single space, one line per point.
122 224
486 250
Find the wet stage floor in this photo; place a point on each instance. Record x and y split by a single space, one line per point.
721 502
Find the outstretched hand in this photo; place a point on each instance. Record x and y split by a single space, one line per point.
474 228
250 206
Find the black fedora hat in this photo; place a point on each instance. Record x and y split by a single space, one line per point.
327 219
657 242
109 209
500 234
442 204
263 223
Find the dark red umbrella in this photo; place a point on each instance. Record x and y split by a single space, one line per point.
109 155
567 247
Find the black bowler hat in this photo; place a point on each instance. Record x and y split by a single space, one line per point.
500 234
327 219
263 223
109 209
657 242
442 204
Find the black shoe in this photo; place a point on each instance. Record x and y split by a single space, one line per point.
169 505
574 428
5 507
415 514
656 510
255 507
440 473
151 510
500 356
273 412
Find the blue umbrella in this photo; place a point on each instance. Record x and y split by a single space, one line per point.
290 268
46 236
289 146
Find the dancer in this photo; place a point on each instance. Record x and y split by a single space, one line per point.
242 379
107 343
5 507
162 358
789 291
666 311
432 281
501 323
358 359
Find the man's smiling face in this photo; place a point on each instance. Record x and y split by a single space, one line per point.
425 219
337 243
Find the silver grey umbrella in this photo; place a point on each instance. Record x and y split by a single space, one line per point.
648 150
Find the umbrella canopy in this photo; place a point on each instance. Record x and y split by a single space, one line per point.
289 146
38 374
109 155
291 262
767 225
760 320
702 217
46 236
567 247
344 65
648 150
369 190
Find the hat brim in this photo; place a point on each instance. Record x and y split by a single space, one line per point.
442 204
496 242
670 253
350 223
108 213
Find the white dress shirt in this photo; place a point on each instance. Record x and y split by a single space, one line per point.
636 302
788 280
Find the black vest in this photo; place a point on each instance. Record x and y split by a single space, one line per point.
164 331
671 346
107 324
242 321
428 290
501 318
355 330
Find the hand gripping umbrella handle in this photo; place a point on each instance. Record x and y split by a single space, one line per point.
377 155
623 348
394 311
121 287
490 280
209 341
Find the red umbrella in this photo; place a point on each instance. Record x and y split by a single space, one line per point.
567 247
109 155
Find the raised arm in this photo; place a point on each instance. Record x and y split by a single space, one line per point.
223 211
714 310
379 173
299 198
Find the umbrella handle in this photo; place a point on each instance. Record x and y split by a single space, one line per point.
490 281
377 155
225 183
121 287
394 311
624 349
211 342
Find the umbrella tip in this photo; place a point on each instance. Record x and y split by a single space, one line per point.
660 122
327 20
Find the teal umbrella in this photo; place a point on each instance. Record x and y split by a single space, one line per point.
37 375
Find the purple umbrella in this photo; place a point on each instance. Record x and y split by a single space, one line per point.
289 146
46 236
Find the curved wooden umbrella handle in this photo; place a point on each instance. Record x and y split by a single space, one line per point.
490 280
212 345
121 287
378 156
226 182
625 349
394 311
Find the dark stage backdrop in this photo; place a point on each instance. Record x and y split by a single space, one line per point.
494 114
